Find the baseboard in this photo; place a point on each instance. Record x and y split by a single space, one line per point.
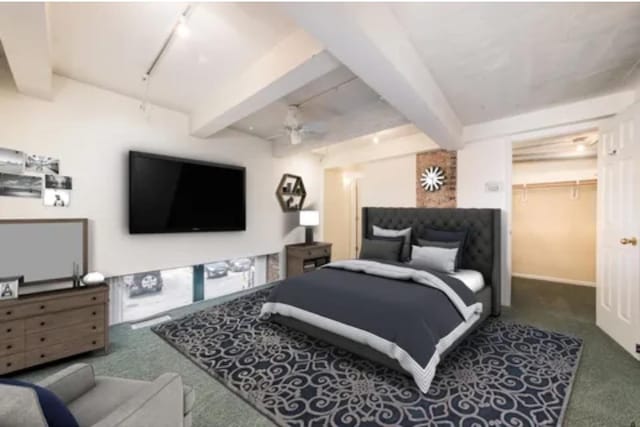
554 279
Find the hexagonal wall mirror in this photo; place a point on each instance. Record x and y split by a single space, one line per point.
291 193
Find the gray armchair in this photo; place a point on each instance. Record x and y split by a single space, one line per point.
103 401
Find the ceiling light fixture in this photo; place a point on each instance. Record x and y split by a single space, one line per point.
376 139
580 147
179 28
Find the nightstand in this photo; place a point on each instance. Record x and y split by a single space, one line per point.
303 258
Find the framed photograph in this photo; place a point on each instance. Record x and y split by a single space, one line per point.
20 185
42 164
9 287
57 198
11 161
57 182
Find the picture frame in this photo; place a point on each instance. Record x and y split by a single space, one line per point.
10 287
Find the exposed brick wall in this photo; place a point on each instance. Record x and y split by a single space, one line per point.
446 196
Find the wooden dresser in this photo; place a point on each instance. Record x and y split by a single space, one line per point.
302 257
39 328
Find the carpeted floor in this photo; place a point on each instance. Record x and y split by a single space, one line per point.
606 391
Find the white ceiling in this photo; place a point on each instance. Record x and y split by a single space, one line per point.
491 60
111 45
572 146
494 60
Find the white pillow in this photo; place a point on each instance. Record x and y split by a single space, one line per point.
434 258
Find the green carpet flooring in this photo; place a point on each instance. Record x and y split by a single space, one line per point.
606 391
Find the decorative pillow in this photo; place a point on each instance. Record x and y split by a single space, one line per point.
435 235
434 258
54 410
382 248
405 233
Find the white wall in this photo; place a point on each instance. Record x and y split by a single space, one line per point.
388 182
91 131
554 171
479 164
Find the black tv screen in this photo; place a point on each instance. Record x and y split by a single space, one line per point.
172 195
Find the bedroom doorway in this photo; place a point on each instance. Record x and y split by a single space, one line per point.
554 206
342 211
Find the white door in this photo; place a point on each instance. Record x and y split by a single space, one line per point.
618 277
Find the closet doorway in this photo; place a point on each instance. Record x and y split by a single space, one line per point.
554 224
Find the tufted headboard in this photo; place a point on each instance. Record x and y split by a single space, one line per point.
482 251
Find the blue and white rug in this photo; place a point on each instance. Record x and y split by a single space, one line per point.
504 374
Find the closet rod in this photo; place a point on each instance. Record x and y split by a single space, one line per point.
555 184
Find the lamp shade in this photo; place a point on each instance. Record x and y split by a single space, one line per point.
309 218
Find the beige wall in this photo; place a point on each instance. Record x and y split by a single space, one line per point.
553 235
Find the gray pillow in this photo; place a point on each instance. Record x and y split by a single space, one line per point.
405 255
383 249
434 258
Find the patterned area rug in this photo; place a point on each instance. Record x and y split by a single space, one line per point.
503 374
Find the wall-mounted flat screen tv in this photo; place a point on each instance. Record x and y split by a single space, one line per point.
172 195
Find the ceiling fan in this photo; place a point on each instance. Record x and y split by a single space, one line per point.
297 131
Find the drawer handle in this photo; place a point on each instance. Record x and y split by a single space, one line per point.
42 307
9 364
42 339
94 342
94 298
42 356
9 347
9 313
9 330
94 327
41 323
94 313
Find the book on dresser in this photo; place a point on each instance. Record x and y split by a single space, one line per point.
40 328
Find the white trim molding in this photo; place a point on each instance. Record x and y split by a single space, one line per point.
554 279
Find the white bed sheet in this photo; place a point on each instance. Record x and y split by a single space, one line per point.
472 278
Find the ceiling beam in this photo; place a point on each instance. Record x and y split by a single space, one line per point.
291 64
24 33
370 41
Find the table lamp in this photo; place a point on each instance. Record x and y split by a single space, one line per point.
309 219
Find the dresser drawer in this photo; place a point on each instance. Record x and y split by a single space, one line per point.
60 304
11 363
10 313
11 346
12 329
50 337
65 349
317 252
67 318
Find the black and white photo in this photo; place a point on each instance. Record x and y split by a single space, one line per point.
42 164
11 161
57 182
57 198
20 185
9 287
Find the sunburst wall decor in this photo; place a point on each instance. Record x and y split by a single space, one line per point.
432 179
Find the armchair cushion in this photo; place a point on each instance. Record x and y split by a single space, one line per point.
70 383
53 409
159 404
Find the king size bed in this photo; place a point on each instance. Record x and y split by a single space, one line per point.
406 313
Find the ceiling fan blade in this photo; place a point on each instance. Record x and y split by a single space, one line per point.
315 128
276 136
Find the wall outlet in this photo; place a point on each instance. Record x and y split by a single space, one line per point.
493 186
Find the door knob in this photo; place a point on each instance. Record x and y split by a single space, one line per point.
631 241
